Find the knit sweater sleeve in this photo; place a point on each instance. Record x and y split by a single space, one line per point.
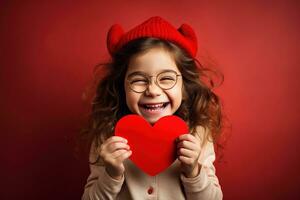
206 184
99 184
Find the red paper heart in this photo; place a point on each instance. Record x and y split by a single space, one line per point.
153 148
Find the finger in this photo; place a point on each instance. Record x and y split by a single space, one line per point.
118 153
111 140
115 139
124 156
186 160
187 153
116 146
188 137
117 157
187 145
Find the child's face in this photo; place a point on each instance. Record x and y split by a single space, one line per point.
154 102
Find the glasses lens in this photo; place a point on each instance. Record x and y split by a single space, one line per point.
138 83
167 80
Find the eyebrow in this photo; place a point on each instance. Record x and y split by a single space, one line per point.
136 73
144 74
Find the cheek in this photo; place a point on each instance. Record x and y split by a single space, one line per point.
131 99
179 90
176 94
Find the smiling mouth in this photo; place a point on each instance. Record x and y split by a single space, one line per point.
154 107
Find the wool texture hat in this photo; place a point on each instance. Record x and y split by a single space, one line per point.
156 27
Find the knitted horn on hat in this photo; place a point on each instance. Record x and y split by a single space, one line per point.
156 27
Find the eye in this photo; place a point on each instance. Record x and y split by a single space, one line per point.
166 78
138 81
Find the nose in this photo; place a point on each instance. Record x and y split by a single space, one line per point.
153 89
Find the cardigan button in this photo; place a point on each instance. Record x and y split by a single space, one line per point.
150 190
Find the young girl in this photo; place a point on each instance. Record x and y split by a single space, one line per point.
153 73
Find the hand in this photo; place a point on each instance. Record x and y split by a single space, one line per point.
113 152
188 151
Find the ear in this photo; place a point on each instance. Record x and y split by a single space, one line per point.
187 32
113 37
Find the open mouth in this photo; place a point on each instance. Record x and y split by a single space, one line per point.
155 106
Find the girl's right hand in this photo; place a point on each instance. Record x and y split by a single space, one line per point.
113 152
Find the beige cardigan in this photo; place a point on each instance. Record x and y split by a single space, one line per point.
168 185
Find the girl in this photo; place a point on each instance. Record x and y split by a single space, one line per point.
153 73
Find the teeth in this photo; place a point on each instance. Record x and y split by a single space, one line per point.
154 105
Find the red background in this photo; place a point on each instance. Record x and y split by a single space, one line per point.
47 53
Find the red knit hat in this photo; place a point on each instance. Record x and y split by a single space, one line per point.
156 27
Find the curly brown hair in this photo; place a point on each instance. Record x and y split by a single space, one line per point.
200 105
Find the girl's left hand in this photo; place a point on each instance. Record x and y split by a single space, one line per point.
188 152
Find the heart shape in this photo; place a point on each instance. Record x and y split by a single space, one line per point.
153 147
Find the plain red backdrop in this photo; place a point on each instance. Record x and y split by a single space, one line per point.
47 53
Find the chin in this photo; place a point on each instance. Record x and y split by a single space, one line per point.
152 121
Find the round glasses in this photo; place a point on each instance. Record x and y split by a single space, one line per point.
139 82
